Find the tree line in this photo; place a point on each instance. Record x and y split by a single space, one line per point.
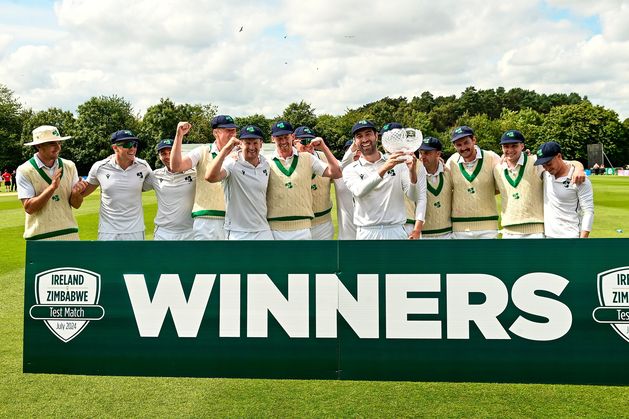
570 119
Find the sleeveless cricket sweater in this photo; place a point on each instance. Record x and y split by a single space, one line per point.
522 199
321 202
409 205
55 218
209 200
438 206
410 210
473 198
289 194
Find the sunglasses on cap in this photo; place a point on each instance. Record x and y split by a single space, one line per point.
127 144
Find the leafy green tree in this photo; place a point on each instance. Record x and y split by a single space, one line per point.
576 126
298 114
97 119
424 103
382 111
11 120
160 121
259 121
444 116
335 130
200 117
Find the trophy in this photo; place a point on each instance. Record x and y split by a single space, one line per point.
407 140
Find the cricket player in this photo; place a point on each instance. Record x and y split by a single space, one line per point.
245 179
568 207
474 210
175 197
438 224
122 178
378 183
321 225
520 184
208 210
289 196
415 210
49 187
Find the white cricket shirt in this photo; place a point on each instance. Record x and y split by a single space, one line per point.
568 208
245 194
175 197
121 194
379 201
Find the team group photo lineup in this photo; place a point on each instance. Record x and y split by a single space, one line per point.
390 183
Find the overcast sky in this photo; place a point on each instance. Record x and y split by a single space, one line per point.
258 56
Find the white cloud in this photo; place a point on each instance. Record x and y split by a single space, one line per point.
332 54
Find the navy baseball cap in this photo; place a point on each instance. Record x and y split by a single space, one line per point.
461 132
165 143
304 132
223 121
348 144
389 126
430 144
547 152
511 137
362 124
251 132
281 128
122 135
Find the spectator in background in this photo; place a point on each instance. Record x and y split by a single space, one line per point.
6 177
13 180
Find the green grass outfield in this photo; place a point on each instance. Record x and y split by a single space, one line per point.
26 395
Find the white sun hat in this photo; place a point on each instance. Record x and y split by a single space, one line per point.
46 134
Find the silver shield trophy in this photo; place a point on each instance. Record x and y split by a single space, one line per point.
407 140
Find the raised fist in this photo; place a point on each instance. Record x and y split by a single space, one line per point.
183 128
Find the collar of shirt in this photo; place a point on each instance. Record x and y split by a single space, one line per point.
479 155
566 177
276 155
515 168
363 162
439 170
241 159
114 162
214 148
41 164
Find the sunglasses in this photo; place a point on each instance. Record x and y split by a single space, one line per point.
305 141
127 144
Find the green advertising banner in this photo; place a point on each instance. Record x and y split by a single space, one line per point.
530 311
